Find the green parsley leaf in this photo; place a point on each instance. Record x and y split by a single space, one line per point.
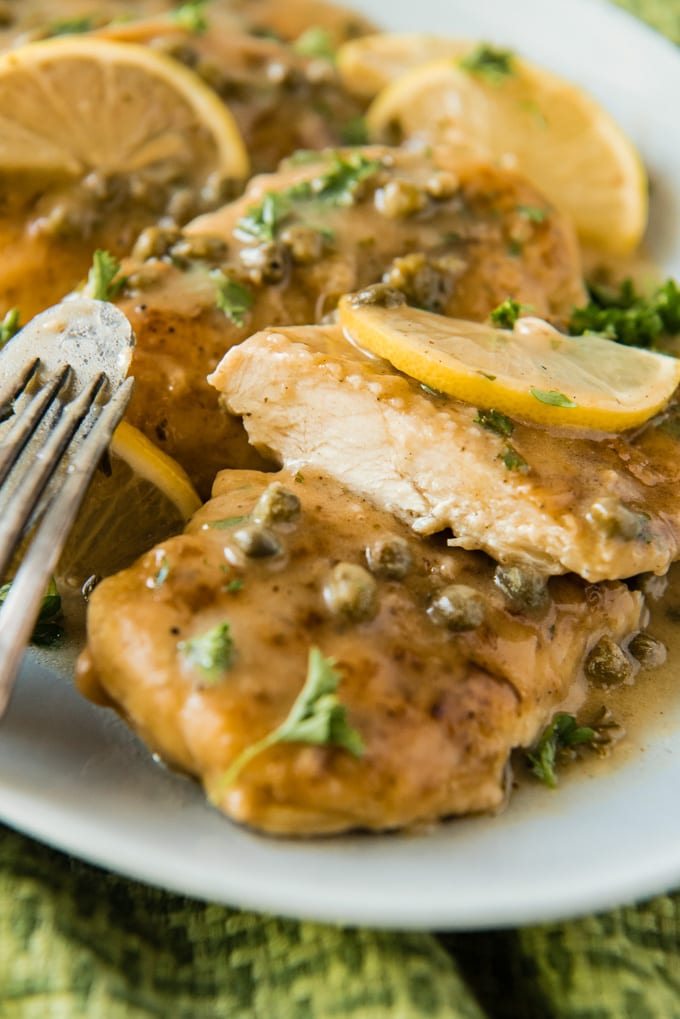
624 315
234 586
262 221
191 17
233 298
9 326
315 42
493 64
316 717
496 422
562 734
533 213
512 460
212 652
103 281
552 397
339 183
514 248
70 26
48 629
506 314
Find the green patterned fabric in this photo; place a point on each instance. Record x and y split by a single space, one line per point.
76 942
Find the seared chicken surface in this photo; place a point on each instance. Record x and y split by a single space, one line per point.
298 240
441 673
602 506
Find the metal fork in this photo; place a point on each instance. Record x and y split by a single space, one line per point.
58 411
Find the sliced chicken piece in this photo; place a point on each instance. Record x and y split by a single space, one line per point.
440 674
602 506
442 234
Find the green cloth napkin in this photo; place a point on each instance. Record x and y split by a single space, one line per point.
76 942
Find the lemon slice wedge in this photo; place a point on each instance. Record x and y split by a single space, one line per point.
547 129
532 372
144 498
368 64
72 105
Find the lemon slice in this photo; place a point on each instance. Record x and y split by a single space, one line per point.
547 129
72 105
368 64
145 498
531 372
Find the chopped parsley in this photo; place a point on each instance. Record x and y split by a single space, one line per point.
191 17
532 212
493 64
315 42
562 735
262 221
506 314
512 460
496 422
103 281
212 653
233 298
317 717
9 326
48 629
234 586
337 184
624 315
552 397
70 26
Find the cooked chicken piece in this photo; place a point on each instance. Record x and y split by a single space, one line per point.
602 506
443 237
203 647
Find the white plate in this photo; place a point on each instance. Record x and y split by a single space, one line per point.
73 776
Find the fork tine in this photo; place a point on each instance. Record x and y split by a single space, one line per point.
21 607
14 388
28 420
27 494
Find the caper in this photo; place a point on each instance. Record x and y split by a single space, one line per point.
154 242
523 586
256 541
647 650
351 591
616 520
607 664
399 198
389 557
276 505
458 608
379 294
202 247
304 242
266 263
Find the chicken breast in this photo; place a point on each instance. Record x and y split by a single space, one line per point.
299 239
204 644
602 506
